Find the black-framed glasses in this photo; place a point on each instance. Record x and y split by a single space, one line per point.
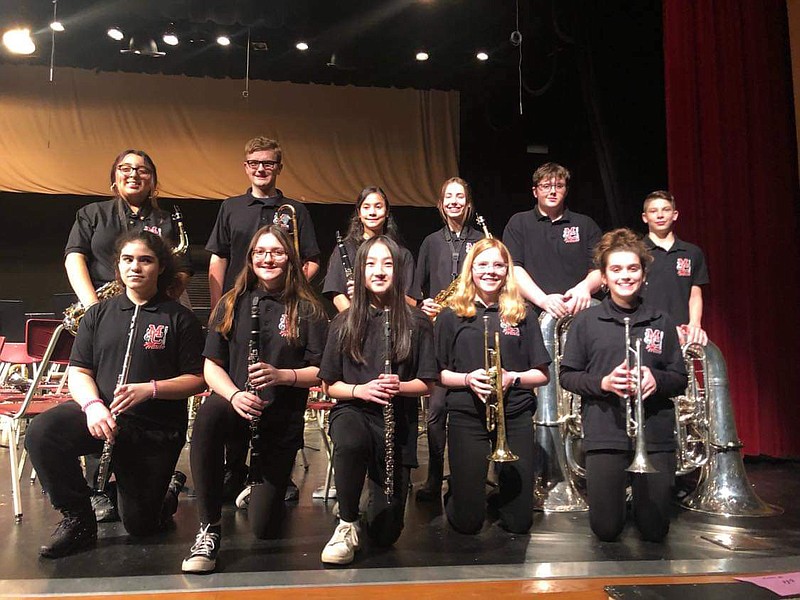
546 187
142 170
269 165
277 253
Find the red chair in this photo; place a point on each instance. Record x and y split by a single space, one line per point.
46 344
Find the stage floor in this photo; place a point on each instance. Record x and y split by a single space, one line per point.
559 545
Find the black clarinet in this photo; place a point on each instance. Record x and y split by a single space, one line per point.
253 356
388 409
347 264
104 467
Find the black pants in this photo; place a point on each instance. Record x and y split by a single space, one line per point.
143 462
437 433
216 424
606 481
358 452
468 445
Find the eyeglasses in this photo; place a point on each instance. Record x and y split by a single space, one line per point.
546 187
277 253
490 268
268 165
141 171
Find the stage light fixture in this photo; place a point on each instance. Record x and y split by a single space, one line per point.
303 46
115 33
224 40
422 55
482 56
142 46
57 26
18 41
170 39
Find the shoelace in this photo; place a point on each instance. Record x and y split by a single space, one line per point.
341 534
205 542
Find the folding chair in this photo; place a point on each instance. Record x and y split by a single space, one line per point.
46 344
320 405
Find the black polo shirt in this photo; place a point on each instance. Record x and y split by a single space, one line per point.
238 220
671 276
460 348
436 268
337 366
336 283
168 342
98 225
556 254
596 346
274 346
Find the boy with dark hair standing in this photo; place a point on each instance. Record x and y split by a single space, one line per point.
678 269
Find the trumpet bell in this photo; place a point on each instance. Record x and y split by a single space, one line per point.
641 464
501 455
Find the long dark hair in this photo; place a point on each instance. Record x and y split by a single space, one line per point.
296 289
354 330
158 246
355 230
152 200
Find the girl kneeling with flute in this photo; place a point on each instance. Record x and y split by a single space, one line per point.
599 363
155 343
485 310
262 354
378 360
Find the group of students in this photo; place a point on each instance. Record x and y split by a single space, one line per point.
269 340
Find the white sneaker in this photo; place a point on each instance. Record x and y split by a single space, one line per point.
342 546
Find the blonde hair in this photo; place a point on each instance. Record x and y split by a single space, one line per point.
511 304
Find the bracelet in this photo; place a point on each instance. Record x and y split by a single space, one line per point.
234 394
155 388
353 391
466 380
295 377
90 402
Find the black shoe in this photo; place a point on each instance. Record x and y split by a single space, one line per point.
77 531
203 554
430 491
177 482
104 509
292 493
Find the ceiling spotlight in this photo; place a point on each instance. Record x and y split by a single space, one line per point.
57 26
18 41
170 39
142 46
422 55
301 46
224 40
482 56
115 33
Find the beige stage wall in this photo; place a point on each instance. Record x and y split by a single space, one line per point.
61 138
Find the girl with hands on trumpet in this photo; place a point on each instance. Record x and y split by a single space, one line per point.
594 365
156 342
368 366
272 311
486 301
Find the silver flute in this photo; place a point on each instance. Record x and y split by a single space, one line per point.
388 409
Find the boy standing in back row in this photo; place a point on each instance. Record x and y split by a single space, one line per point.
678 269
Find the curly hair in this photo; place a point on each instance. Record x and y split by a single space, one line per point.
621 240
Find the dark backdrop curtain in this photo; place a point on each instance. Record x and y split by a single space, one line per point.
733 169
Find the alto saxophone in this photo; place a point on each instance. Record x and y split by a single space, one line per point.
495 404
388 409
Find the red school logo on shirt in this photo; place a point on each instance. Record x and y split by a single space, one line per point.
468 246
684 267
153 229
653 340
282 326
509 329
155 338
571 235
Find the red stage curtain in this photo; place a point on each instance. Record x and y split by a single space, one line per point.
733 169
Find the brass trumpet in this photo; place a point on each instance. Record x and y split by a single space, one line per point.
495 406
634 423
286 218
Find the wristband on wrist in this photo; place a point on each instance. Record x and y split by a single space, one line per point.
295 377
155 388
353 391
234 394
466 379
90 402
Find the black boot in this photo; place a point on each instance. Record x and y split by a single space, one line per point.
431 490
77 531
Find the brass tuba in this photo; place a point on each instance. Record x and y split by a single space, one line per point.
495 406
286 218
